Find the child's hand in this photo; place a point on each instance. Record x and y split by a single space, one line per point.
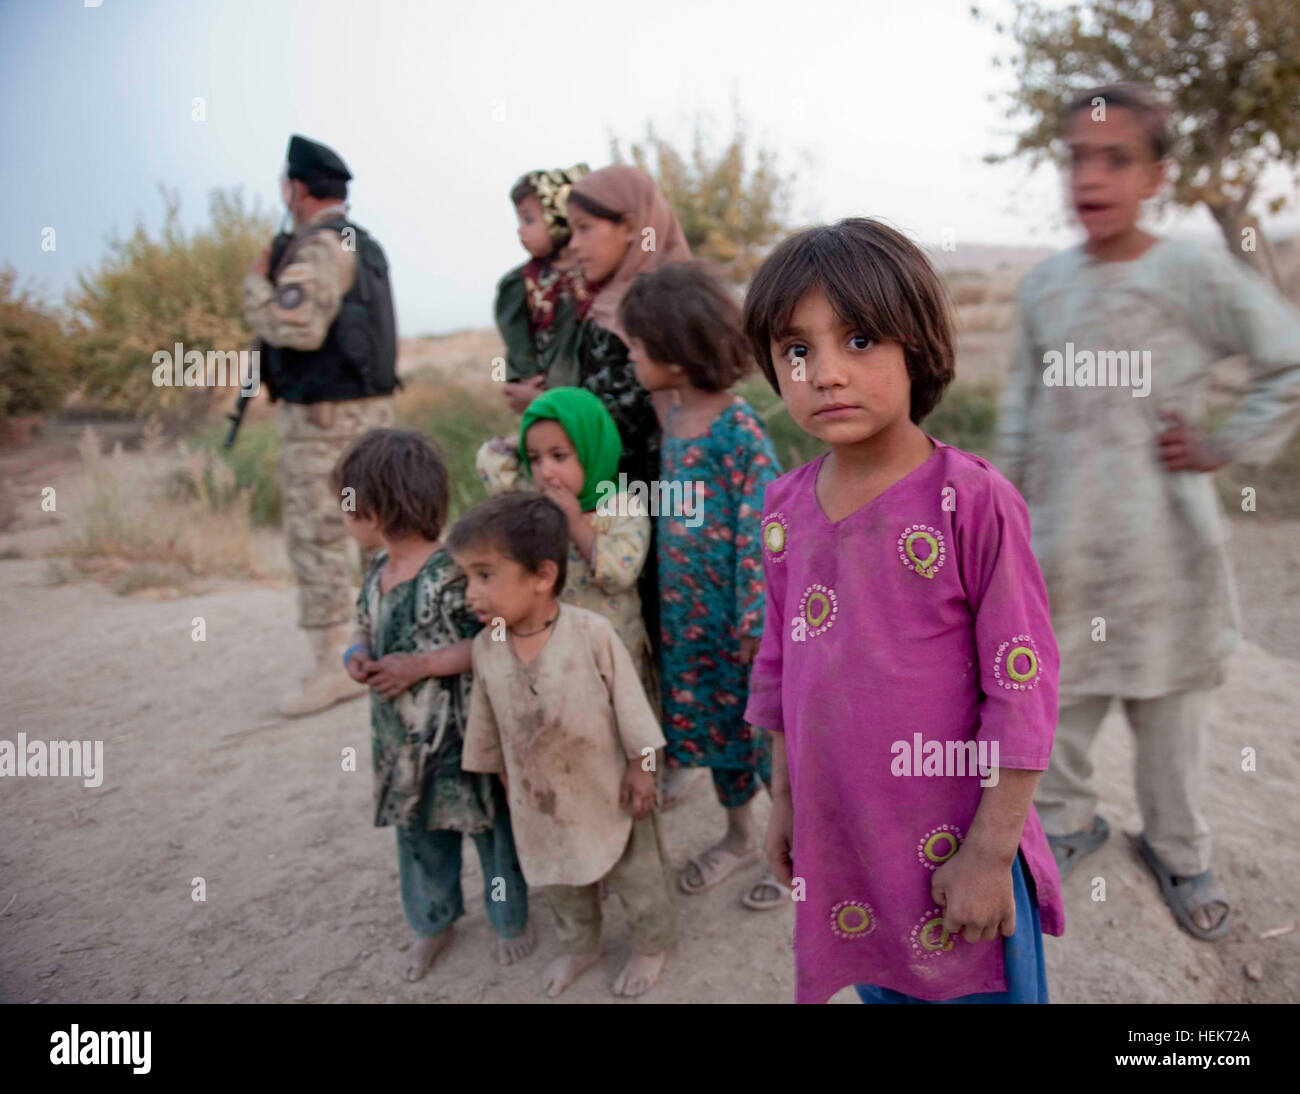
1184 448
522 392
502 446
779 840
393 674
565 498
359 666
975 892
748 647
637 794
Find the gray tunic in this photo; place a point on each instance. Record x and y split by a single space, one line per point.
1120 539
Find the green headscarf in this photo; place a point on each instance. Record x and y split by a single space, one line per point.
595 437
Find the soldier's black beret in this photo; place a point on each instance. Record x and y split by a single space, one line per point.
309 158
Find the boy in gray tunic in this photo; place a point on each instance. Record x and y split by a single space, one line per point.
1116 341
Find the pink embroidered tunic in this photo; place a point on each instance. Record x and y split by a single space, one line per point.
901 645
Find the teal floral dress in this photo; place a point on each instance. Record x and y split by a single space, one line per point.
711 577
416 738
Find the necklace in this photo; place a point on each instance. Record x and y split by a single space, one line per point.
529 634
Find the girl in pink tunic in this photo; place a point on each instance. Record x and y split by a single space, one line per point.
907 667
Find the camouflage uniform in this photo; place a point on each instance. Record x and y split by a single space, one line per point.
315 435
296 312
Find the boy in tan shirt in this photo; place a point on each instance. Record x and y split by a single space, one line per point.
558 711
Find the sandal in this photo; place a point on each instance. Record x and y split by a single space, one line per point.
1068 850
1186 895
779 893
711 867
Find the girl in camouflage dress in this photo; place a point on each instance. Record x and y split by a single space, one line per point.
412 647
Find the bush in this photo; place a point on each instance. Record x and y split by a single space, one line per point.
731 208
35 354
255 461
159 517
459 422
150 294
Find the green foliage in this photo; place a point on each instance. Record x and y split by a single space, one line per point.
35 355
1227 67
458 422
732 207
152 293
255 461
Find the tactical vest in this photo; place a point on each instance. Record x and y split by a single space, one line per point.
358 358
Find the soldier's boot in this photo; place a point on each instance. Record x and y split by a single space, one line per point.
328 682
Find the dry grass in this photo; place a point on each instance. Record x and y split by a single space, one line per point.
166 516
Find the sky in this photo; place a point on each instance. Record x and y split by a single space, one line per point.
875 107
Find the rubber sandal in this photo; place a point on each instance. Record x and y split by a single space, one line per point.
1185 895
714 866
1069 850
760 904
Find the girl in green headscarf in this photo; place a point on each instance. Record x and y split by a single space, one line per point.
569 449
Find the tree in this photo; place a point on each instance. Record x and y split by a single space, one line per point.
35 354
731 209
150 294
1230 70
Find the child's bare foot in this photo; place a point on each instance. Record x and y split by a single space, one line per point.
564 970
639 974
422 953
510 950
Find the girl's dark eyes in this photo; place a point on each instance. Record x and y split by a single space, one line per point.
795 349
867 343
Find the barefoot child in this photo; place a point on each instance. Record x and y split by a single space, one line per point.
1127 524
569 449
685 338
559 712
907 667
412 646
540 304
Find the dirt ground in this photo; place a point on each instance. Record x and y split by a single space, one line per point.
202 780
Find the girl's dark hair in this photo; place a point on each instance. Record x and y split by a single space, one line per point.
399 477
521 190
1150 111
876 279
595 208
684 315
525 526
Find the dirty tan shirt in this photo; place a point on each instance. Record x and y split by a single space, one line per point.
605 581
317 271
563 728
1135 559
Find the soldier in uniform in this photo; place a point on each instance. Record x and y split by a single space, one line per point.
320 302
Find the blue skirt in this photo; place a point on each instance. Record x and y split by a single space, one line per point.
1022 953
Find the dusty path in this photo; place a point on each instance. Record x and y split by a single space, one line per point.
202 781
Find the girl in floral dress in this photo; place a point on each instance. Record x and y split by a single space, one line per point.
716 458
